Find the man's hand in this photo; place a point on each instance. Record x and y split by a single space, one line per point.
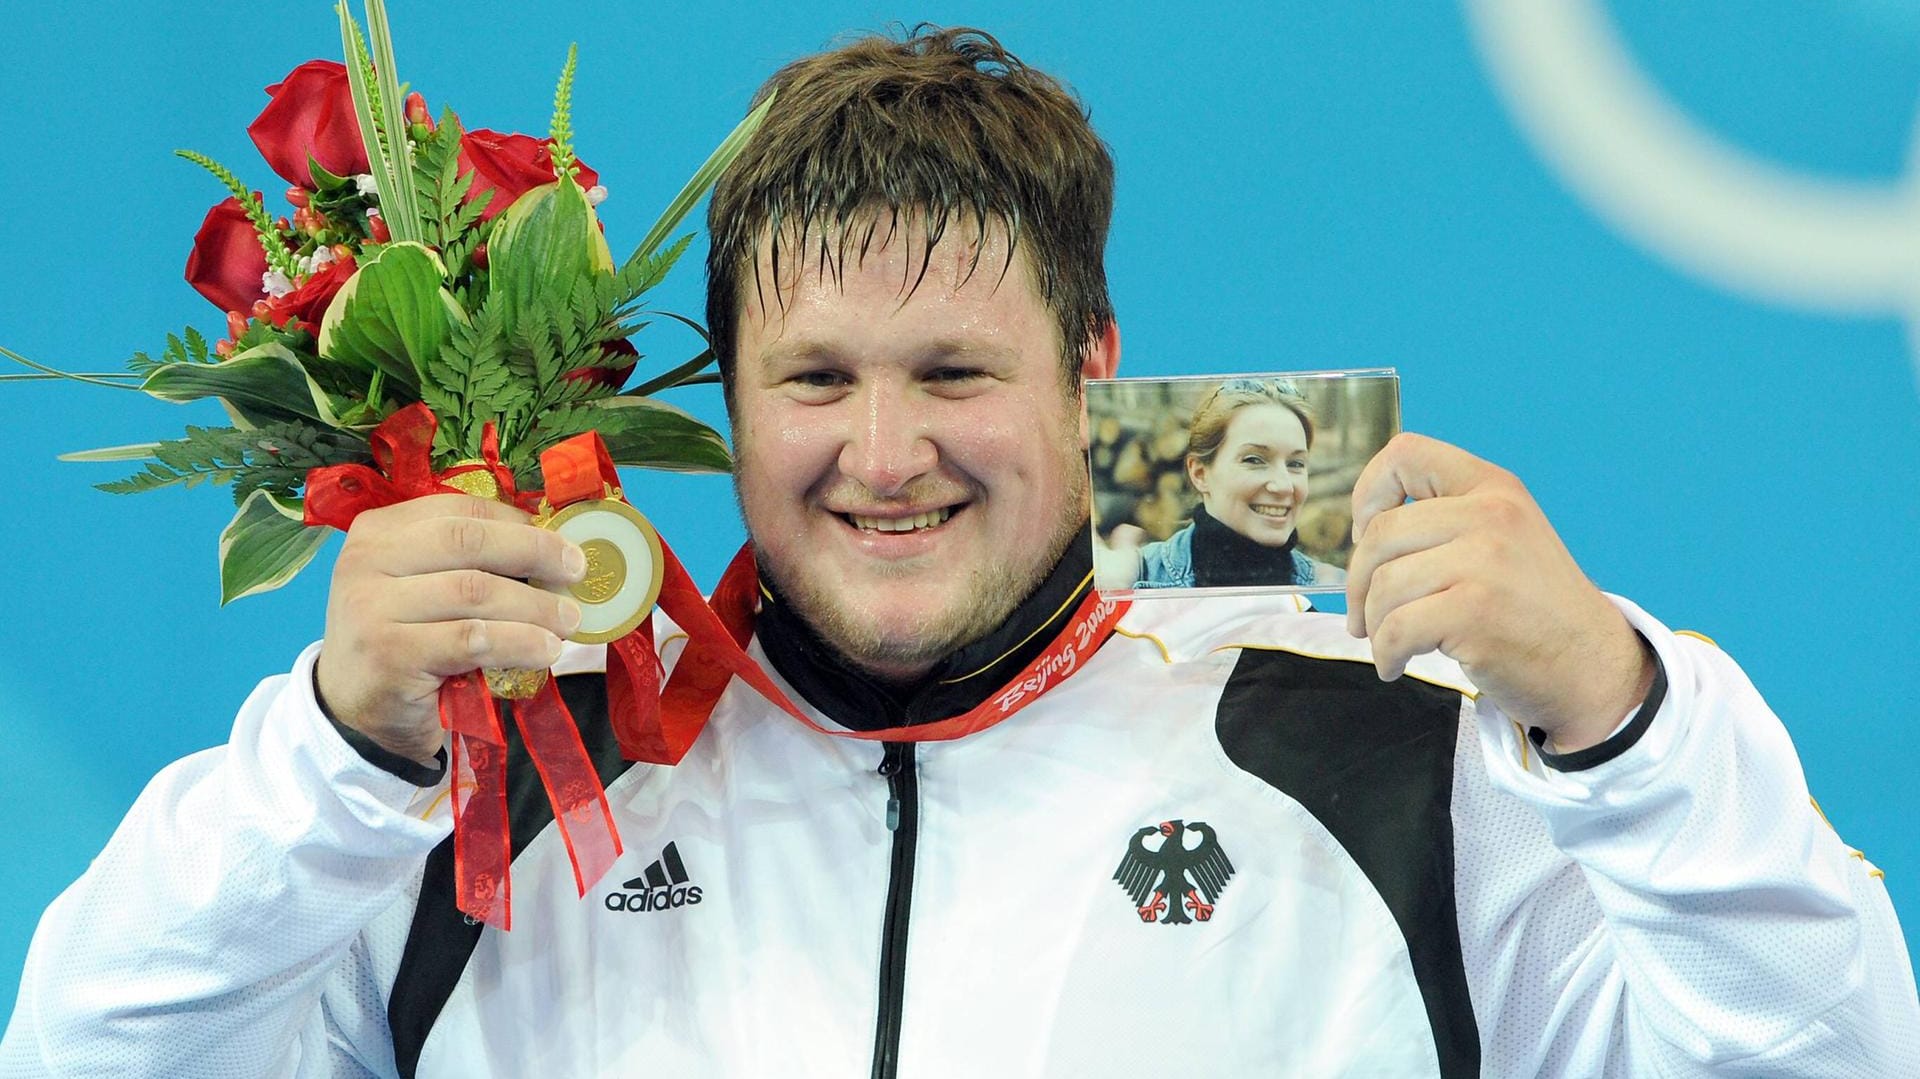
425 590
1472 568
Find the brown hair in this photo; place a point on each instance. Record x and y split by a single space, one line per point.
938 126
1209 426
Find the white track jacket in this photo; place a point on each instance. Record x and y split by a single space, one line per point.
1221 848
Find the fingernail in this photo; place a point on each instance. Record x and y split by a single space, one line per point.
553 650
573 561
569 617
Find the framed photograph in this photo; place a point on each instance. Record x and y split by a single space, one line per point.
1231 483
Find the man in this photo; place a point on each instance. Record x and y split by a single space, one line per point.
1225 836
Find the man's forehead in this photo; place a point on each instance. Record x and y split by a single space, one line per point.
887 252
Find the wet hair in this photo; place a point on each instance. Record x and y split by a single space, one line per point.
916 133
1209 426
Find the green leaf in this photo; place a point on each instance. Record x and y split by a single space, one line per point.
702 179
323 181
263 384
653 434
401 205
264 545
368 109
544 243
393 314
138 451
560 131
54 372
676 377
641 275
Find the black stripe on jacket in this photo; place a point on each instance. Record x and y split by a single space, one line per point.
1373 763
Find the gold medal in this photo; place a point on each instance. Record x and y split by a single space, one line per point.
625 567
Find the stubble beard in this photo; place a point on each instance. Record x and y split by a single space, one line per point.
991 593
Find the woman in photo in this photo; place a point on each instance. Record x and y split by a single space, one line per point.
1247 457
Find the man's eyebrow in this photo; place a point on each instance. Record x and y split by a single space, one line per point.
792 351
963 350
801 350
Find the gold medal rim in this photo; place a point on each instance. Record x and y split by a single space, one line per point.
639 520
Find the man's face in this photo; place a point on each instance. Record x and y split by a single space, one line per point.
908 457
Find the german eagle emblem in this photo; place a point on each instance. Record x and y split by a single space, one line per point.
1173 880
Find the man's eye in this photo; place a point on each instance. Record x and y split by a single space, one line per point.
819 380
953 375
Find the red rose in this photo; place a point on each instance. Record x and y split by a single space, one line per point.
311 114
309 302
226 262
510 166
612 377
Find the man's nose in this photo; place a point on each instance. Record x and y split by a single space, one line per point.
889 445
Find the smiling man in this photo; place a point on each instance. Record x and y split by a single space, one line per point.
909 465
1494 822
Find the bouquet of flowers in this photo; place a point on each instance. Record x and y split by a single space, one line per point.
441 311
433 287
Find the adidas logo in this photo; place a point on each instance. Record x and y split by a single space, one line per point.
662 887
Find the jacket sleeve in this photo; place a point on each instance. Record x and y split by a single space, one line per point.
1679 909
201 939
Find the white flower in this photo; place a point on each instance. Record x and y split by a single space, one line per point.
275 284
321 258
597 194
363 183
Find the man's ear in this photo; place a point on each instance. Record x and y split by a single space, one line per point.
1101 361
1103 354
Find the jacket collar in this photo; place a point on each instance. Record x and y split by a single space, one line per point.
964 679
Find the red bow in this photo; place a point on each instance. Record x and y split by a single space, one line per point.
403 469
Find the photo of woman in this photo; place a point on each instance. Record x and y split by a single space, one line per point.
1232 507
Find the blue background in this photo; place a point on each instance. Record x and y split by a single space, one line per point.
1300 186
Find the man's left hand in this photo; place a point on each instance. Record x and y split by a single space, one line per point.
1473 569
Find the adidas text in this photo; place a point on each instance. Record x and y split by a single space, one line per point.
685 895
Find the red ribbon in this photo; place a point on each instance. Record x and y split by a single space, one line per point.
576 470
716 653
403 469
482 846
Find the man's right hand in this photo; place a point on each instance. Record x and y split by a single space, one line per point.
425 590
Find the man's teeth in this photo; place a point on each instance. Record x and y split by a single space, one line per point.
1272 511
901 524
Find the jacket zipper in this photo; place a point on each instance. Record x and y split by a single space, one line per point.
903 820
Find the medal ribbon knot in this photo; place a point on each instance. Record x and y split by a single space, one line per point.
402 469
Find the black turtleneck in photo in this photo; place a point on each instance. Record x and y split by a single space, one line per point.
1224 558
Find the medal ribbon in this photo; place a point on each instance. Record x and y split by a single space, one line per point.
716 653
576 470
